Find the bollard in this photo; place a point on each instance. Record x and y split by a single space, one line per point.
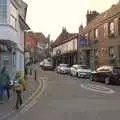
35 74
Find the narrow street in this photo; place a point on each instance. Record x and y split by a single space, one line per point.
67 98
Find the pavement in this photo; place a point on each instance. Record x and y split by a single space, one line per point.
9 105
71 98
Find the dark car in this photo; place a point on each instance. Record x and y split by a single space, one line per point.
106 74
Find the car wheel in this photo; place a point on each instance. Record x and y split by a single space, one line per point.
70 74
107 80
94 78
77 74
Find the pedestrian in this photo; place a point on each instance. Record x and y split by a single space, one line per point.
7 82
4 83
18 87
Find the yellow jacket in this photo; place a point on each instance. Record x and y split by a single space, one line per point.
21 86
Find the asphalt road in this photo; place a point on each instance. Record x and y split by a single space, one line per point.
70 98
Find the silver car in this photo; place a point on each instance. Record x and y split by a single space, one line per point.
80 71
63 68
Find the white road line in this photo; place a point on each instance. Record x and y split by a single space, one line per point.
32 103
10 113
97 88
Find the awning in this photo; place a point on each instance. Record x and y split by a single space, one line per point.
23 24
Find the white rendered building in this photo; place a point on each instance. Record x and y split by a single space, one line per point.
12 27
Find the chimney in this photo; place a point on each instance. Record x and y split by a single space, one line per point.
64 30
80 28
91 15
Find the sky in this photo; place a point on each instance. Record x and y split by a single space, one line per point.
49 16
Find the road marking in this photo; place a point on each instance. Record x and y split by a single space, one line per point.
31 103
13 111
97 88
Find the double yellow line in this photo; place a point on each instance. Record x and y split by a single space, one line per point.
30 102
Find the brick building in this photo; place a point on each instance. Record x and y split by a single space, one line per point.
36 46
65 48
100 41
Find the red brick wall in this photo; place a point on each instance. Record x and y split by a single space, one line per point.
29 40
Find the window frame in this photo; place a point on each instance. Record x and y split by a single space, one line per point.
3 12
14 15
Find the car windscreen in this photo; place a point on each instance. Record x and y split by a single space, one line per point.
116 70
64 65
83 67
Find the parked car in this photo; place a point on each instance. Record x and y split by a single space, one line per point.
106 74
80 71
41 64
63 68
47 65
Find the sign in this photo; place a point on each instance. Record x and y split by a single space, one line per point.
83 42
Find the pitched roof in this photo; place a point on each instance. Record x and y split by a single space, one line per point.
114 10
39 36
64 37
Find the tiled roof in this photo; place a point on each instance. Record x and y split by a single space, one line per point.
64 37
39 36
114 10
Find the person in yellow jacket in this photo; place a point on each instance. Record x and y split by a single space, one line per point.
18 87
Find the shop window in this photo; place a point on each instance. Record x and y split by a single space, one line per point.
96 53
111 52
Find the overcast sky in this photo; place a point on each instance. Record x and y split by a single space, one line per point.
49 16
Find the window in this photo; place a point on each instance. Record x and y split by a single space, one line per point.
13 10
96 53
105 29
111 51
13 21
3 11
111 28
96 33
13 16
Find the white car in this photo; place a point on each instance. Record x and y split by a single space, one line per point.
80 71
63 68
41 64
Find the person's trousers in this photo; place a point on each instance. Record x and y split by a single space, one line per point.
1 92
19 99
8 91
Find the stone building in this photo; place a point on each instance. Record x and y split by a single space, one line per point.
99 41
